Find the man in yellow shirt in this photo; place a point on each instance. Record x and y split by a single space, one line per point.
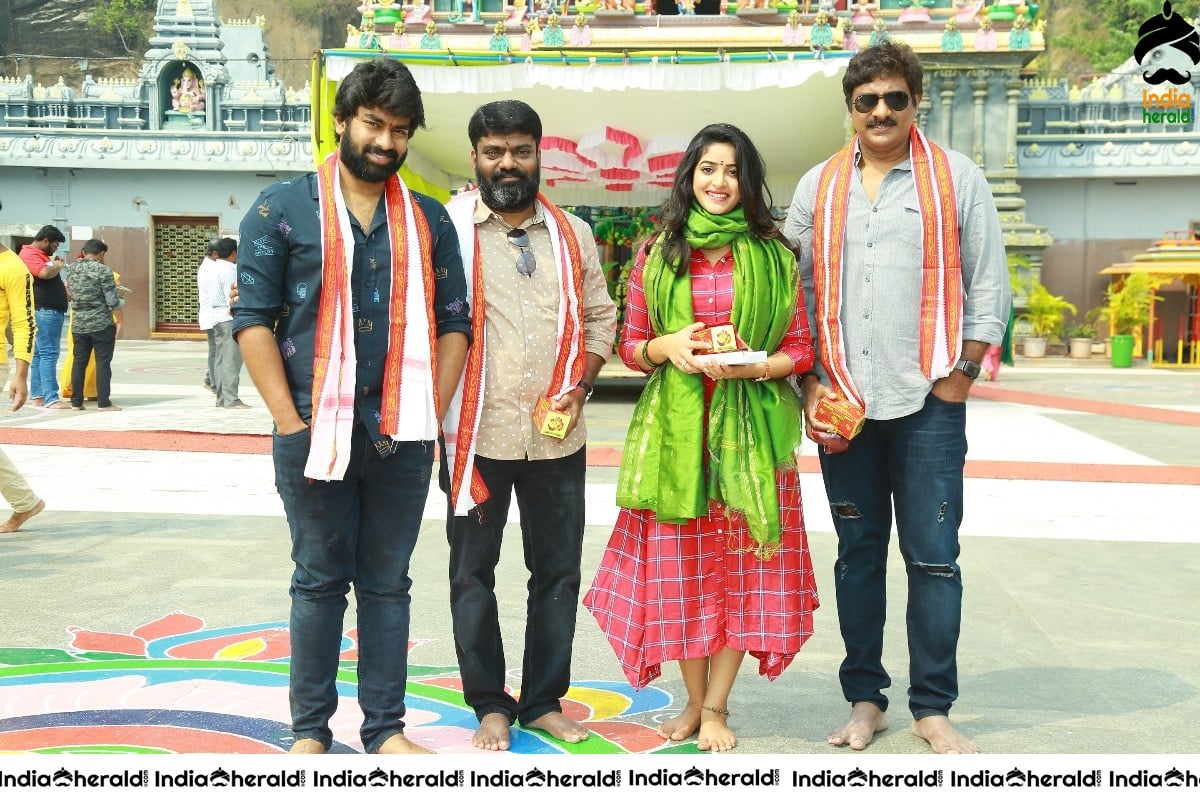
16 309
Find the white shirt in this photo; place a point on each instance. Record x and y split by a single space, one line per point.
214 305
226 278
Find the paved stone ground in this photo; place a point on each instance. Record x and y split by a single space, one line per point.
146 608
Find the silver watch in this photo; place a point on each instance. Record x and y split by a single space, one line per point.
968 368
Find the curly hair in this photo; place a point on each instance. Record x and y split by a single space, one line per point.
883 60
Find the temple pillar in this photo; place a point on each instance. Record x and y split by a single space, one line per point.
979 92
1012 90
948 83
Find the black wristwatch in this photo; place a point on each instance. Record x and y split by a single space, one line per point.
968 368
588 389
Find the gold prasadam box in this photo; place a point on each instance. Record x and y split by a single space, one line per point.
548 421
843 415
717 339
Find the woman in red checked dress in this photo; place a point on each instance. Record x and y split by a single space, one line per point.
709 558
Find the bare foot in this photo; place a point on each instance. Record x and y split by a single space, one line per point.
558 725
682 726
866 720
37 402
307 747
20 518
942 736
59 405
400 745
715 734
492 733
110 408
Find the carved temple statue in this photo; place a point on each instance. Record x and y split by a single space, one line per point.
187 93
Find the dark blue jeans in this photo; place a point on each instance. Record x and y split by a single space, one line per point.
917 463
359 530
550 498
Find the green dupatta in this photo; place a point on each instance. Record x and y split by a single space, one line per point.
752 427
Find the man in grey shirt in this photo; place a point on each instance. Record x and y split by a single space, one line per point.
906 284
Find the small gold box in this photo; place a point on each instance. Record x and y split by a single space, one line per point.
844 416
548 421
717 339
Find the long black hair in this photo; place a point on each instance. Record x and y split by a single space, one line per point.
756 198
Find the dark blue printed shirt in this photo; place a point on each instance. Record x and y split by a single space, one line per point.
279 286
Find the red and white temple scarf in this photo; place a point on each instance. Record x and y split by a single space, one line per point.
411 362
941 262
462 419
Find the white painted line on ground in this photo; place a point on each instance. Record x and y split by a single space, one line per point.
222 484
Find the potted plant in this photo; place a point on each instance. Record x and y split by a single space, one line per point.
1127 310
1045 315
1080 337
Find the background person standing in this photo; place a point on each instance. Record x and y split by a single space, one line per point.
216 279
50 304
208 307
94 299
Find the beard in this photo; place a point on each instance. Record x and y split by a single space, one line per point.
360 167
506 197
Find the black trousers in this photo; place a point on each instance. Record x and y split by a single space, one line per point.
102 343
550 496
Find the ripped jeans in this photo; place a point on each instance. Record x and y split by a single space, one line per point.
916 462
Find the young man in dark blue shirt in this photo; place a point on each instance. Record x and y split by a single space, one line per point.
353 321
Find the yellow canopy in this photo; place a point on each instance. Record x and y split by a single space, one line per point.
1180 269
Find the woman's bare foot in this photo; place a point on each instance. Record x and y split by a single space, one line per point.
715 734
560 726
942 736
492 733
866 720
683 725
307 747
400 745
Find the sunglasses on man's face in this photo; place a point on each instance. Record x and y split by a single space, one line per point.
526 263
896 101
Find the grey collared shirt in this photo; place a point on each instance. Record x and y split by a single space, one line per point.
881 279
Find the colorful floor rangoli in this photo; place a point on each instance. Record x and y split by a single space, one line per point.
175 686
